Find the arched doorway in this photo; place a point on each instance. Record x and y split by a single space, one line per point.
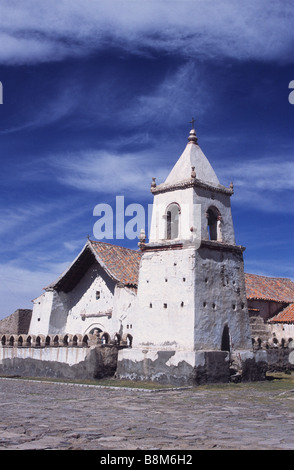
94 328
226 340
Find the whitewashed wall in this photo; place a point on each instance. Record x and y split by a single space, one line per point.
165 308
41 314
79 311
282 331
82 304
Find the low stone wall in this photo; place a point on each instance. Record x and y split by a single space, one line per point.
190 367
280 359
92 356
166 367
99 356
92 362
280 352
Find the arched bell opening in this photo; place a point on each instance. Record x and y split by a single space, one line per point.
172 221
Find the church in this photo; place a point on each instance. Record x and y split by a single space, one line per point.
179 310
178 305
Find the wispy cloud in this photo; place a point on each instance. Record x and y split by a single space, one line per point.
173 97
33 250
34 236
276 174
105 172
38 32
83 103
19 286
49 111
266 184
33 220
270 268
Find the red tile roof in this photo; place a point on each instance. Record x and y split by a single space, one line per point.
121 263
285 316
276 289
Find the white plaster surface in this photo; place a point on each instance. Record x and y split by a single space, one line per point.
137 355
165 300
41 314
282 330
79 311
291 357
192 156
69 356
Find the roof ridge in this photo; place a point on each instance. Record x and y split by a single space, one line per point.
116 246
269 277
285 315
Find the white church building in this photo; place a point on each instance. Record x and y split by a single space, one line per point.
179 301
95 294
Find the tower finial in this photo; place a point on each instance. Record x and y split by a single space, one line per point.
192 136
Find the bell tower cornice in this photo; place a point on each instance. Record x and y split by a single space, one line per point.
190 183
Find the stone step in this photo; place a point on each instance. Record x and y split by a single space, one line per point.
259 329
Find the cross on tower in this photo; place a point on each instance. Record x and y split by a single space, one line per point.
192 122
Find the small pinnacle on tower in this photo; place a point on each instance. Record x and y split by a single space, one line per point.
153 184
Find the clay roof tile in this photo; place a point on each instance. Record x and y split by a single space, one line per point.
122 263
285 316
276 289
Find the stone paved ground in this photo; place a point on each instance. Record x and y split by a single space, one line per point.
40 415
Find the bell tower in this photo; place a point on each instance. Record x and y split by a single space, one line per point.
191 310
192 205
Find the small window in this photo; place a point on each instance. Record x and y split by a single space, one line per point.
164 305
182 304
150 305
97 294
184 279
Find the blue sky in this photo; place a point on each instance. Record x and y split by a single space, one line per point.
97 99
